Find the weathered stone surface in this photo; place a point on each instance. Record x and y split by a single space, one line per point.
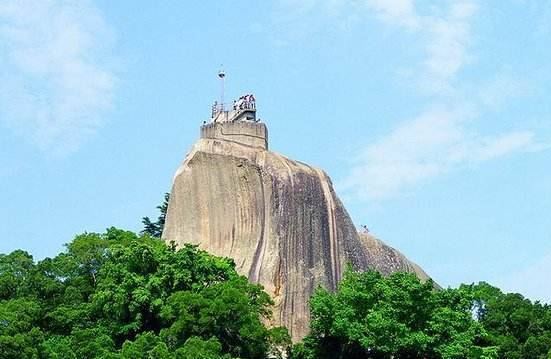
386 259
279 219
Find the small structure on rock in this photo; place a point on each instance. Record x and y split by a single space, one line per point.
237 123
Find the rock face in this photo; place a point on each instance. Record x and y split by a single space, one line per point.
388 260
279 219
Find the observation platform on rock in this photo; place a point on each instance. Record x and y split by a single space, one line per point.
238 125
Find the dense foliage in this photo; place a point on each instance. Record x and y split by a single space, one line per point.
519 328
155 229
371 316
117 295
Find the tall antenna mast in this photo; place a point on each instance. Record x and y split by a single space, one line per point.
222 76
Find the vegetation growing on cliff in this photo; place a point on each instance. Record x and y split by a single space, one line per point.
155 229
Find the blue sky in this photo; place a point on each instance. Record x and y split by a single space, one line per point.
433 118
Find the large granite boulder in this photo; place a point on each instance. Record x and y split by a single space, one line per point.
279 219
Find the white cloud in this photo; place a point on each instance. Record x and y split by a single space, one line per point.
56 81
8 171
431 144
532 281
502 88
400 12
445 136
445 34
503 145
396 12
542 11
444 31
448 39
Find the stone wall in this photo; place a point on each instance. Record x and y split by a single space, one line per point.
254 134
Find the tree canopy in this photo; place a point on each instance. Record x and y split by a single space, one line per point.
519 328
371 316
117 295
155 229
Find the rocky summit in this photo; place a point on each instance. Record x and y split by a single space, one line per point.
279 219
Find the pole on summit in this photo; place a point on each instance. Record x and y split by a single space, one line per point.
222 76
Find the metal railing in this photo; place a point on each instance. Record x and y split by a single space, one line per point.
236 106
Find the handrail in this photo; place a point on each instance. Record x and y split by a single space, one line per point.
236 106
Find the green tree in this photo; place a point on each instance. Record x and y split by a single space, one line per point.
221 311
519 328
197 348
20 334
146 346
155 229
15 270
118 295
371 316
